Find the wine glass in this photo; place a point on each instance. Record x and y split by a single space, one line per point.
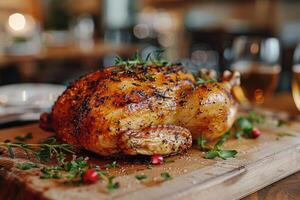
296 77
257 59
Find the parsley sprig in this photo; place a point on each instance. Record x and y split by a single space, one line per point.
112 185
245 124
166 176
216 151
141 177
242 127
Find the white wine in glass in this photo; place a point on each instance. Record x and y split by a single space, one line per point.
296 85
296 77
258 80
257 59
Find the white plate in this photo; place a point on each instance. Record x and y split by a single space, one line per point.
30 95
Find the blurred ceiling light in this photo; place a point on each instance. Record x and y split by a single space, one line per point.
20 25
141 31
17 21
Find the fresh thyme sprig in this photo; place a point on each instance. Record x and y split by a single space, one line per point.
151 59
137 67
114 164
27 166
72 171
45 151
20 138
203 78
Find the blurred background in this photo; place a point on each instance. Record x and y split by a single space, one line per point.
56 41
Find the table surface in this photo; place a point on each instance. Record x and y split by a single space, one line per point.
287 188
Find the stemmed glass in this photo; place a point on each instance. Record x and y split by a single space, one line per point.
296 77
257 59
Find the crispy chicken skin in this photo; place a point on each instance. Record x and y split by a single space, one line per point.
151 110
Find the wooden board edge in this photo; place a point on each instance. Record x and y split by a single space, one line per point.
241 182
14 188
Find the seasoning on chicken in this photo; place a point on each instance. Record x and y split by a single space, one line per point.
143 109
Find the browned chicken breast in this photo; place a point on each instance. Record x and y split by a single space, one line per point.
143 110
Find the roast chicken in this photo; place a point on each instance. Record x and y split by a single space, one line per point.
142 109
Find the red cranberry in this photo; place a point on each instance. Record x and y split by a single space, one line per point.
157 159
90 176
255 133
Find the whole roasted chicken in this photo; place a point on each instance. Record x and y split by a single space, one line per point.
143 108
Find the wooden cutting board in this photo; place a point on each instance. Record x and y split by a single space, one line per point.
259 162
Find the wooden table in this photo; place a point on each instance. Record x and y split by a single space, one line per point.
287 188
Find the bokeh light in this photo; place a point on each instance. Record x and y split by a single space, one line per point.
17 21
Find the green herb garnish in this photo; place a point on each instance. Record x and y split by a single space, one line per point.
216 151
114 164
75 168
28 136
282 122
151 59
284 134
203 78
27 166
166 176
168 161
10 150
43 152
111 185
52 172
48 150
201 143
202 81
115 79
224 154
72 170
140 177
245 124
138 68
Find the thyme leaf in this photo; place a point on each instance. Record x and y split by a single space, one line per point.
140 177
42 152
114 164
27 166
28 136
